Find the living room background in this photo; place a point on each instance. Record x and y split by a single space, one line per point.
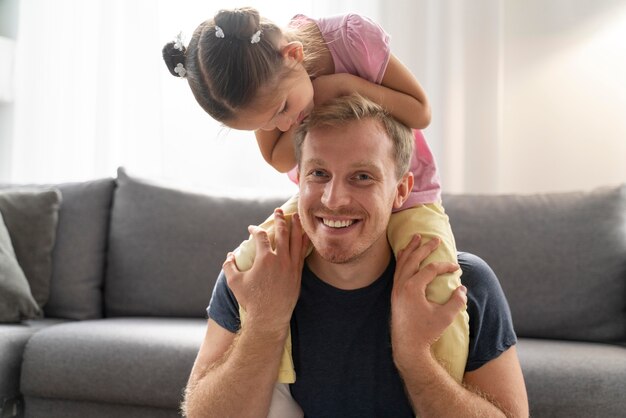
527 96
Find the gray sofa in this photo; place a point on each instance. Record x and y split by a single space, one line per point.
134 263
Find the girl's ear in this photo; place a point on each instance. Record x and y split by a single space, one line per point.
293 50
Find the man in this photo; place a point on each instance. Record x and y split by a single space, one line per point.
361 325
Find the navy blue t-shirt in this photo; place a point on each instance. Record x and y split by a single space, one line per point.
342 345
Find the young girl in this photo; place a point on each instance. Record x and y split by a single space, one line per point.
249 74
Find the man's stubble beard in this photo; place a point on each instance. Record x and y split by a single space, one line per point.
335 256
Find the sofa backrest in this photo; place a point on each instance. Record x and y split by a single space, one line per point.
149 250
166 247
561 258
77 255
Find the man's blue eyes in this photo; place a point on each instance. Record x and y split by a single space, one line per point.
359 177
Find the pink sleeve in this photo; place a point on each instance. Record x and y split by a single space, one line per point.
367 45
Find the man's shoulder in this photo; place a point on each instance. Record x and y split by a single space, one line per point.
490 322
478 277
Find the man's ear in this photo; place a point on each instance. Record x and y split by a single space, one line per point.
405 185
293 50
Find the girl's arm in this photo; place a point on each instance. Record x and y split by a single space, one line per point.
400 92
277 148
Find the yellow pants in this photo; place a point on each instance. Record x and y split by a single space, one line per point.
428 220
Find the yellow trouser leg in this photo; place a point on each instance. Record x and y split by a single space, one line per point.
244 257
430 220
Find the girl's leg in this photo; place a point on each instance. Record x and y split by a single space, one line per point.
283 405
244 254
430 221
244 257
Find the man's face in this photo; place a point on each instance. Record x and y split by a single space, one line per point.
348 188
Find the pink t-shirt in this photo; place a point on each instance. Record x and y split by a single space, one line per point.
360 47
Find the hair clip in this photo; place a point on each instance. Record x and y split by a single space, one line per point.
180 70
178 42
256 37
219 33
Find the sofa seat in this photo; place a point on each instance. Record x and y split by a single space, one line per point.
13 339
574 379
134 366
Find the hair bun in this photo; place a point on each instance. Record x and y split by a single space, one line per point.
240 23
174 53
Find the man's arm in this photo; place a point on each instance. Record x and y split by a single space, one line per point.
495 390
502 382
234 374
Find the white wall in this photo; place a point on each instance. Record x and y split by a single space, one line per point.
564 123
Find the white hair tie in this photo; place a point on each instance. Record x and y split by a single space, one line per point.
178 42
256 37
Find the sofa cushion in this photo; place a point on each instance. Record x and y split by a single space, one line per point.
62 408
80 251
573 379
167 246
560 258
16 301
30 215
129 361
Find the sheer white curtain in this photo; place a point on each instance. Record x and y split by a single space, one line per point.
93 94
455 49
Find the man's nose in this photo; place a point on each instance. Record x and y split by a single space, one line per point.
335 194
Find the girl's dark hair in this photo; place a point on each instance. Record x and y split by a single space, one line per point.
226 73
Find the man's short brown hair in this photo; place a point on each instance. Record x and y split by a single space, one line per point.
355 107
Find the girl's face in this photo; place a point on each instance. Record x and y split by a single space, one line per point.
285 106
